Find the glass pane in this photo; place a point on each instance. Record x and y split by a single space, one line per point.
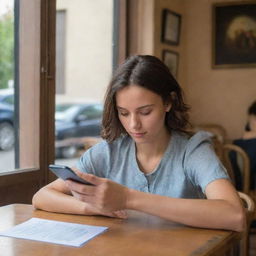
19 84
7 126
84 54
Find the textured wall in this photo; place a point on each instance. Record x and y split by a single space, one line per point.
219 96
216 95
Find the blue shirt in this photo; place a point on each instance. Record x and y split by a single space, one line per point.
188 165
249 146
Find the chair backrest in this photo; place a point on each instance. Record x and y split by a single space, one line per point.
237 163
215 129
247 201
90 141
250 209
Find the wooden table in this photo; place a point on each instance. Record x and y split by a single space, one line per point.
140 235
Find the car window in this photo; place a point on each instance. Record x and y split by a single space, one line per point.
9 100
92 112
62 107
66 112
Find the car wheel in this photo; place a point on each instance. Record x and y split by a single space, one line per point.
7 136
69 152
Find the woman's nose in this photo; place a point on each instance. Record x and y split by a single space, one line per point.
135 122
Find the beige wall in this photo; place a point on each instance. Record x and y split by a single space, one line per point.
88 48
140 27
219 96
178 7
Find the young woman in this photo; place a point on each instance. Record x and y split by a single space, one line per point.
147 161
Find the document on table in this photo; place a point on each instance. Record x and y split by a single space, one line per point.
57 232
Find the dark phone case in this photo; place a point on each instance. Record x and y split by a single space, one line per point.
65 173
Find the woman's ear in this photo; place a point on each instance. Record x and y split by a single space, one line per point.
168 106
168 103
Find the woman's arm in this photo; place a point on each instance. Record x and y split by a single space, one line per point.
221 210
57 197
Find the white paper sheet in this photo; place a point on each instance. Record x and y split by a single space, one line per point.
57 232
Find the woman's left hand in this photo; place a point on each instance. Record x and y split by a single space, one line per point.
104 194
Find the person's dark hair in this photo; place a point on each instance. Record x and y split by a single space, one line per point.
251 111
150 73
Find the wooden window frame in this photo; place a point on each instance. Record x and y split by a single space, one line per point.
19 186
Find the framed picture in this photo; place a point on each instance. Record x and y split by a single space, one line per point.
171 60
171 24
234 35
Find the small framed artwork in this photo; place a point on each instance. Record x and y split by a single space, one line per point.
171 24
171 59
234 35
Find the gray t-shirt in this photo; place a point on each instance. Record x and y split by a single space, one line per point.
189 164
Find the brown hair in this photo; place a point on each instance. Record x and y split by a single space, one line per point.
151 73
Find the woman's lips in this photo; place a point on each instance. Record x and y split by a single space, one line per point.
138 134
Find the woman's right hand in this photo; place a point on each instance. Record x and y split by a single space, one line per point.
89 209
63 201
116 214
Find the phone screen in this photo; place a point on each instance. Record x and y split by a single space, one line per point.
65 173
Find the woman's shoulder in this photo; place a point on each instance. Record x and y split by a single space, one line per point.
190 142
99 157
192 139
117 144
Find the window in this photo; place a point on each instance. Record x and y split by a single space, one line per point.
60 51
19 94
7 115
85 58
86 67
93 112
28 96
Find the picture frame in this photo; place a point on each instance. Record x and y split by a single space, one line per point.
234 35
171 60
171 26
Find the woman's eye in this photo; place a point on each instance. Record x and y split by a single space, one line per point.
123 114
144 113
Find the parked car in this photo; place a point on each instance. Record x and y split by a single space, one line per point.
73 122
7 133
7 96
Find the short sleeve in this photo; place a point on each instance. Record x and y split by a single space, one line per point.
201 164
95 160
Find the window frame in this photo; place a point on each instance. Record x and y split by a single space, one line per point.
19 185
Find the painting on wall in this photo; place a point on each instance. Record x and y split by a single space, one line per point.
171 24
171 59
234 35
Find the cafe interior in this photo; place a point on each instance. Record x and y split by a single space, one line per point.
209 47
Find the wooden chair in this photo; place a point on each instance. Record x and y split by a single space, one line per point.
243 164
86 143
91 141
250 209
216 129
247 196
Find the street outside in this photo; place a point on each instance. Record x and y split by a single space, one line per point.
7 161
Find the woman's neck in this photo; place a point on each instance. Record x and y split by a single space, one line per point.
150 154
155 147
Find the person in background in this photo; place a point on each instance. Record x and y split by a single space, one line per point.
148 161
250 129
248 142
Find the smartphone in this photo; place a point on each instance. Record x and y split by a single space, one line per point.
66 173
